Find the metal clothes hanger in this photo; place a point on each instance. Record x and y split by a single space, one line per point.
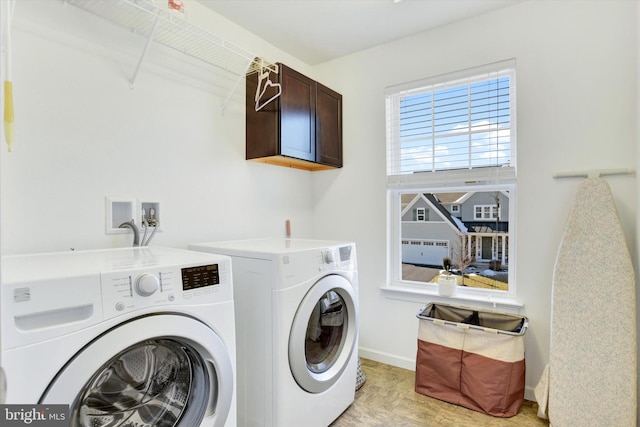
264 75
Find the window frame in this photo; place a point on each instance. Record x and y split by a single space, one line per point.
457 180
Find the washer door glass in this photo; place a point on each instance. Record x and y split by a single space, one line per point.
149 384
162 370
323 334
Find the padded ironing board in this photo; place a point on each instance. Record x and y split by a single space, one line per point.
592 365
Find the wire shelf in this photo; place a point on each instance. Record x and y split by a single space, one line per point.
157 24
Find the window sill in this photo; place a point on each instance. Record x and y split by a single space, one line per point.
426 295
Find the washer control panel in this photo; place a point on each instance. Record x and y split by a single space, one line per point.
126 291
147 284
200 276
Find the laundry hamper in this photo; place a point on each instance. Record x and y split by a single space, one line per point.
471 358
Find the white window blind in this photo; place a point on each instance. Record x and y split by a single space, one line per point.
458 122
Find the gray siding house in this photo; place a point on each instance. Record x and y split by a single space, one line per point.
444 224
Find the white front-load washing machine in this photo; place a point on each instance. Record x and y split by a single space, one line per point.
297 327
125 337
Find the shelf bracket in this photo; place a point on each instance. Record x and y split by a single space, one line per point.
235 85
144 51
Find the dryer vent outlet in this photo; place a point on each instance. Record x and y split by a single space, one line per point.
118 211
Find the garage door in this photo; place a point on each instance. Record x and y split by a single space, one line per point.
427 252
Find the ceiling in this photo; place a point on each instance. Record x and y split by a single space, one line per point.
317 31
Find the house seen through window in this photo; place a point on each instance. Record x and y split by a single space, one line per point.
451 179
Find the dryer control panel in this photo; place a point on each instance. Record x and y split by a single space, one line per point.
341 257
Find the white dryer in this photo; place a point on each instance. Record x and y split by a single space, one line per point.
297 327
125 337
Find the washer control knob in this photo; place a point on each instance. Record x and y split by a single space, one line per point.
147 284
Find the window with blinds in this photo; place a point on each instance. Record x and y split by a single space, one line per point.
451 144
457 122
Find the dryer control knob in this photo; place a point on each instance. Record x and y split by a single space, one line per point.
147 284
328 257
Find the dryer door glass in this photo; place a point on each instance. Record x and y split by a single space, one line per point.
324 332
148 384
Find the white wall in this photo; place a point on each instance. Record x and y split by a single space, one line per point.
576 107
82 134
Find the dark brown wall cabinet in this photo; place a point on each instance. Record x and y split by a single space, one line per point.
301 128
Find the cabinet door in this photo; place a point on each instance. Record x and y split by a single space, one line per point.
298 115
328 126
262 127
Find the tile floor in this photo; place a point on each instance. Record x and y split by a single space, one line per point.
388 399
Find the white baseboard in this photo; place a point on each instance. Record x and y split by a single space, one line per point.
528 393
410 364
389 359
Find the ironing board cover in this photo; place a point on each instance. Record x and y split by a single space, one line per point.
592 366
